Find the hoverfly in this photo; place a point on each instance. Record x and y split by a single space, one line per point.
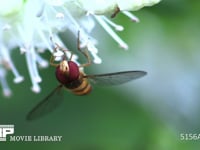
71 77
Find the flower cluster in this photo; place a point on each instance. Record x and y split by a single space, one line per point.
30 24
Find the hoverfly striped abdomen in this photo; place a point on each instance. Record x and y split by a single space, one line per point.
80 86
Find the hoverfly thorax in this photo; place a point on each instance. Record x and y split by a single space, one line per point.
67 71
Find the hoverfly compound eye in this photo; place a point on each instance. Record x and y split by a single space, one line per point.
64 67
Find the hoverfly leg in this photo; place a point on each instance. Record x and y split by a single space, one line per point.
85 53
51 61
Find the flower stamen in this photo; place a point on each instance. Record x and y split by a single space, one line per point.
116 26
32 68
131 16
31 25
10 65
111 32
6 90
42 62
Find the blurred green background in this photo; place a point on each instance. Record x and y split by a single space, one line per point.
146 114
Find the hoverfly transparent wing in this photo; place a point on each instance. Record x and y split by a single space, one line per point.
47 105
116 78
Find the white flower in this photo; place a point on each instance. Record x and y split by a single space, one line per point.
30 24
